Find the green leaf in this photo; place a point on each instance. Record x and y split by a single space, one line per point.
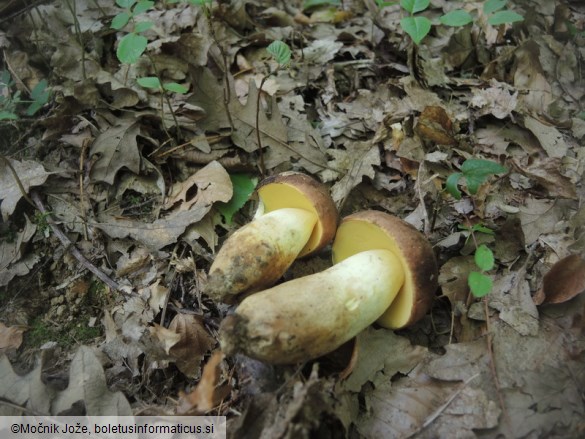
414 6
120 20
484 258
451 185
143 26
476 172
131 47
493 5
458 17
125 3
7 115
416 27
33 108
244 186
143 6
503 17
175 88
40 93
310 4
482 229
149 82
280 52
382 4
479 283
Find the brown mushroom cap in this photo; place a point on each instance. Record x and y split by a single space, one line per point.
293 189
371 230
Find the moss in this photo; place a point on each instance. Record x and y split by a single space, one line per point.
66 335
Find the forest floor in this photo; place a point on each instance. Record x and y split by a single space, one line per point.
129 153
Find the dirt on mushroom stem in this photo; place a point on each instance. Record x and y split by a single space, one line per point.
308 317
257 255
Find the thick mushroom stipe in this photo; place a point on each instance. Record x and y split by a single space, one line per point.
313 315
257 255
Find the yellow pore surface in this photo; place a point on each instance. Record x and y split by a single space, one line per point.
276 196
355 236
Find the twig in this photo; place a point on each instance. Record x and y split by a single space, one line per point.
493 362
258 137
69 245
441 409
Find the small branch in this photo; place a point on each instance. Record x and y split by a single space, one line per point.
69 245
262 167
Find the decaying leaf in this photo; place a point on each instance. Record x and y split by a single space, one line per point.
213 184
193 343
10 337
12 260
26 391
116 148
86 390
30 174
358 160
207 394
434 125
208 185
87 383
563 281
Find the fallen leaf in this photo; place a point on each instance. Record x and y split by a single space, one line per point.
26 391
10 337
358 159
434 125
564 280
206 394
87 390
207 186
116 148
29 173
194 341
547 173
499 99
87 383
13 262
550 138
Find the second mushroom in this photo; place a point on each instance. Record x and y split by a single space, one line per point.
296 217
385 271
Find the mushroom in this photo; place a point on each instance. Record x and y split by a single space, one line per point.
296 217
385 271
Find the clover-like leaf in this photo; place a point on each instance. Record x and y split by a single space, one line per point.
416 27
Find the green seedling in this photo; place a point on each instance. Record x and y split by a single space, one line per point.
11 102
418 27
480 283
475 172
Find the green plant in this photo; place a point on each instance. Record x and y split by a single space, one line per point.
132 47
11 102
243 185
475 172
480 283
417 26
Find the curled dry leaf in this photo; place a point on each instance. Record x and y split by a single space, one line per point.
194 342
207 394
565 280
434 125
